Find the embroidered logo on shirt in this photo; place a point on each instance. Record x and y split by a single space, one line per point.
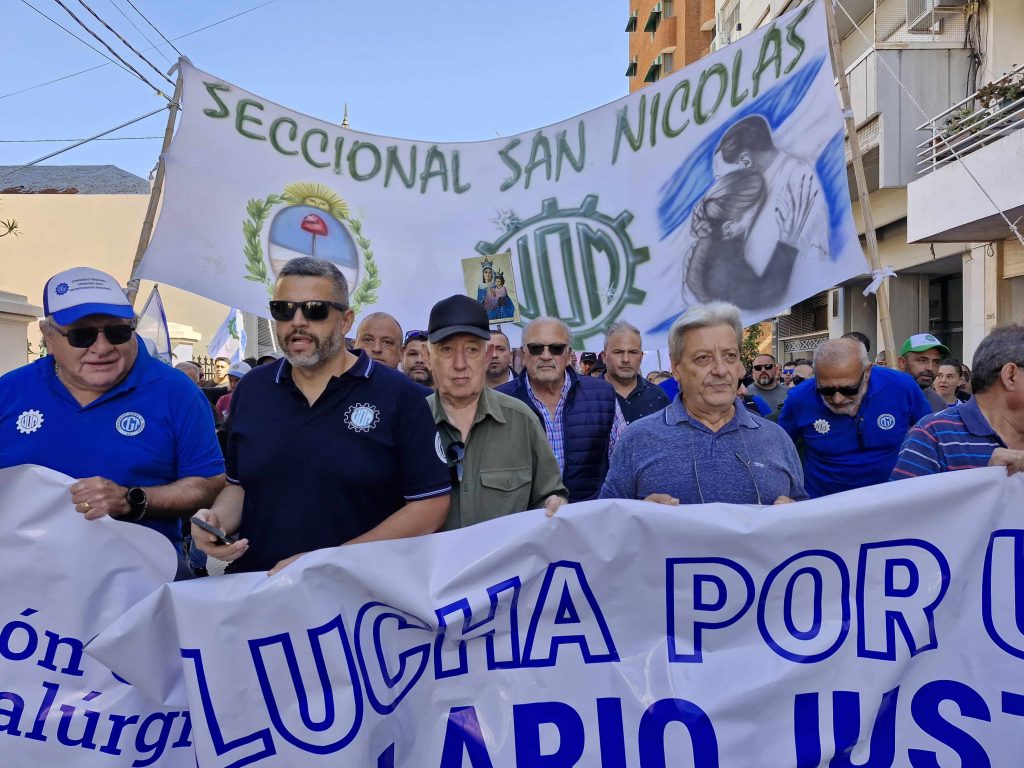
821 426
439 448
886 421
29 421
130 424
362 417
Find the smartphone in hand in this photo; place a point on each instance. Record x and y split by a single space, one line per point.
222 538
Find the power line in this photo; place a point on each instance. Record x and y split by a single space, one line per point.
86 43
154 27
152 45
128 45
112 51
83 141
44 141
100 66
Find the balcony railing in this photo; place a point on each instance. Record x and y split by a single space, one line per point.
970 125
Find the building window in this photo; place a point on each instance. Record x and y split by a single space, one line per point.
653 20
667 11
666 63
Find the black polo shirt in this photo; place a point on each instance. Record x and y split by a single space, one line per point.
645 399
317 476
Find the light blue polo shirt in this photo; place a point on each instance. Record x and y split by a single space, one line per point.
153 428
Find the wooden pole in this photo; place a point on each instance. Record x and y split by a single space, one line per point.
882 296
158 185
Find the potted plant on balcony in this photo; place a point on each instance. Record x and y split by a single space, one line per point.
1002 92
957 126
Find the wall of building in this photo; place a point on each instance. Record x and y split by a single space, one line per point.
1003 27
101 231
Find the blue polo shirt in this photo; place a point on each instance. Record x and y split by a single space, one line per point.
153 428
844 452
318 476
746 460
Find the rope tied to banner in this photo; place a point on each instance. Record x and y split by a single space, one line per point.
877 276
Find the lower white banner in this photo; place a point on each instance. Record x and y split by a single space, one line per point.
64 579
881 627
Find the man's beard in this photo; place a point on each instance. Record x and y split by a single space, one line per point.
849 409
324 349
422 376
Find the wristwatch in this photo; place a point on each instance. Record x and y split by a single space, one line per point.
137 502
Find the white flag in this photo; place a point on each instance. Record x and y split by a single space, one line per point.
152 326
229 340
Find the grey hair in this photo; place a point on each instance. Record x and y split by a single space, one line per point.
374 316
1003 345
620 326
838 351
545 319
307 266
703 316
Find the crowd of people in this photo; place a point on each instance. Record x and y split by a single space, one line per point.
386 435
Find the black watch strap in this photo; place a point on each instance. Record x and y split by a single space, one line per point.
138 503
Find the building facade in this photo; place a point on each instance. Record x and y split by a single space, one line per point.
665 36
87 216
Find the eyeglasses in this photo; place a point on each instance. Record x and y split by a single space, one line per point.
83 338
788 371
538 349
456 452
311 310
844 391
414 335
765 367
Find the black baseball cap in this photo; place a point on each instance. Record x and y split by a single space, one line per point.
588 357
457 314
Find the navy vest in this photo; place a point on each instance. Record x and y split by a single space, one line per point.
587 415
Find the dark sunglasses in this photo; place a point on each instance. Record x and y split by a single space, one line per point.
788 370
538 349
311 310
798 379
844 391
414 335
83 338
765 367
456 453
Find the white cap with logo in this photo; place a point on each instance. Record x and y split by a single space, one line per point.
82 291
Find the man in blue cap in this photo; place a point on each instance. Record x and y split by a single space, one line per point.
137 435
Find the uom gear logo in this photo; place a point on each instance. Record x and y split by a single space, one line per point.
574 263
130 424
362 417
29 421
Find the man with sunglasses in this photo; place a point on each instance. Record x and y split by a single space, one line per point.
326 447
766 383
416 358
851 418
137 434
580 414
499 458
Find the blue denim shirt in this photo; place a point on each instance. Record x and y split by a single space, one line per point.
748 461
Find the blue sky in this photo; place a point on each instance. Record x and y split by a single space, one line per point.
437 70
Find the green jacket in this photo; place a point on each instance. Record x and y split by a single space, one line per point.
508 464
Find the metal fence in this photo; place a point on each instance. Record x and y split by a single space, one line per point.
992 112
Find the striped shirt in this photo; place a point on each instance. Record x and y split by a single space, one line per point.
554 425
956 438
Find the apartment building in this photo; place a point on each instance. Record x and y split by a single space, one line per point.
665 36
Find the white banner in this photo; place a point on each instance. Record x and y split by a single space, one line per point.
880 627
725 180
229 339
66 578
